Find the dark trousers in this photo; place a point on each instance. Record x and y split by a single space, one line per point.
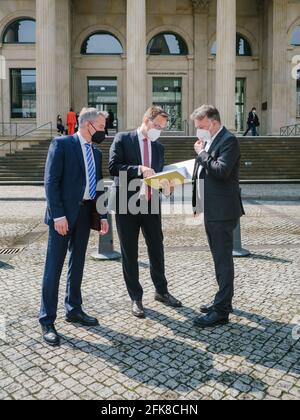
76 242
220 239
253 130
129 227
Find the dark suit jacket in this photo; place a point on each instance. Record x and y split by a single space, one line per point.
221 164
65 178
253 120
125 156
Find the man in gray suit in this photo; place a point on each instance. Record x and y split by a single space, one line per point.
217 170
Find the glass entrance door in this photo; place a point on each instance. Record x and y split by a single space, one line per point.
103 95
167 93
240 86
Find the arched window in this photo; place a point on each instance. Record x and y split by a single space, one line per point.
243 47
102 43
296 36
167 44
21 31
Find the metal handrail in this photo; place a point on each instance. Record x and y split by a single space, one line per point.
36 129
13 127
290 130
25 134
3 144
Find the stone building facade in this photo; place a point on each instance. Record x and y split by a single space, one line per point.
123 55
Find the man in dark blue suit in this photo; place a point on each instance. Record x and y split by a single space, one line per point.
134 156
73 169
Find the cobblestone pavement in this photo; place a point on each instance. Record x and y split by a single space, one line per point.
256 356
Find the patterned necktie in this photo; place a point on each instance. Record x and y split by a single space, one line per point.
91 171
147 163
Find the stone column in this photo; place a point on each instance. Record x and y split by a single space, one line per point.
226 61
63 57
52 59
46 61
278 74
136 62
3 75
201 8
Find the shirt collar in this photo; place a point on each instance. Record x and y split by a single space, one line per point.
82 139
140 134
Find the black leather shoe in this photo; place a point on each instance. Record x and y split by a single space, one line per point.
138 309
82 319
50 335
168 300
211 320
206 309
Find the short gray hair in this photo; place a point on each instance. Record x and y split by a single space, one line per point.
90 114
209 111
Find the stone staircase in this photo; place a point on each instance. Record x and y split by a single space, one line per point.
25 166
264 159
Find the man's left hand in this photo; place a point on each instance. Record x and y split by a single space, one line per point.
199 146
104 227
168 187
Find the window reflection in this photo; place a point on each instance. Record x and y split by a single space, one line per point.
20 31
102 43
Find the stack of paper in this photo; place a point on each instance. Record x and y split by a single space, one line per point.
177 173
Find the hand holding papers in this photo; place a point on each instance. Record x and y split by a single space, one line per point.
175 174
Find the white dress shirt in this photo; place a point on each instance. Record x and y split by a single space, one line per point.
87 188
83 142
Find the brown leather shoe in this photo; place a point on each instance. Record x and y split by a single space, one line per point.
138 309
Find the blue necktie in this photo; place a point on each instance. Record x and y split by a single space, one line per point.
91 171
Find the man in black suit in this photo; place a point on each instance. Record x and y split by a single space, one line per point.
217 172
134 156
252 123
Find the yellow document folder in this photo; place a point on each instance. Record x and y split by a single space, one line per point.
176 176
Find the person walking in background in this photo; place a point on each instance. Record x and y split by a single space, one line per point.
71 122
111 119
60 126
252 123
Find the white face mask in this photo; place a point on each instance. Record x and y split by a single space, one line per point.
204 135
154 134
